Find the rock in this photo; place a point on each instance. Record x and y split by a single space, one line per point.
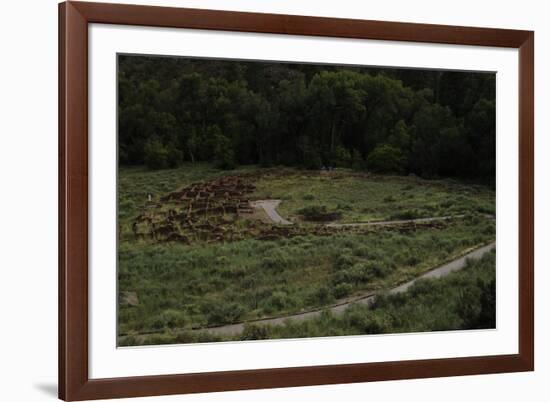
129 299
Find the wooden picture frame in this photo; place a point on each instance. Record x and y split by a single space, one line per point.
74 381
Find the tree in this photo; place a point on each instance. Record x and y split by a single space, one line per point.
435 123
336 100
357 161
480 131
428 124
224 156
156 154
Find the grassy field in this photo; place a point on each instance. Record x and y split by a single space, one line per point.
360 198
183 286
463 300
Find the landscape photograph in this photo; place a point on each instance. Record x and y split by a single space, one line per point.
273 200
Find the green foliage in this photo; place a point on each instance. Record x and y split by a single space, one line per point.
319 213
386 158
357 161
181 287
224 156
342 157
254 332
232 113
222 313
359 199
311 158
406 214
159 156
460 301
342 290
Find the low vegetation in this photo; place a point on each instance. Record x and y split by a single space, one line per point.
463 300
185 286
347 196
460 301
339 151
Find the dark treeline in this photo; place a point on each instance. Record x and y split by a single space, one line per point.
431 123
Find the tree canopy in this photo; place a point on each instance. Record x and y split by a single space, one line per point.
426 122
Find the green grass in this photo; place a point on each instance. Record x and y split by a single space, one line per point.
135 183
204 284
460 301
359 198
189 286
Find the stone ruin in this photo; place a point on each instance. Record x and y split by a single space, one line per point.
208 212
200 211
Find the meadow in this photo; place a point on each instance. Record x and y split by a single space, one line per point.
359 197
179 288
463 300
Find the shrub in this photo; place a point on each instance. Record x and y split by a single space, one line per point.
312 159
156 154
226 161
174 158
224 155
223 313
169 319
446 203
469 307
342 290
356 274
344 207
276 302
341 157
253 332
276 260
376 324
319 213
344 261
378 269
386 159
173 318
357 161
487 315
406 214
321 296
362 251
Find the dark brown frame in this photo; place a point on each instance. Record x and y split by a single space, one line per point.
74 383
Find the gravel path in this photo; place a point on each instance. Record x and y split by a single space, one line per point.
269 207
396 222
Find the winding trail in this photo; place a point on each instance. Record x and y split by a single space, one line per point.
270 208
365 299
396 222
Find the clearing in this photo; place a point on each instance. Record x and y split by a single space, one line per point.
215 248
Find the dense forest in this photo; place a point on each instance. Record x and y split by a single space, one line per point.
430 123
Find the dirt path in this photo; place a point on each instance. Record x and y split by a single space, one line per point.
368 299
396 222
269 207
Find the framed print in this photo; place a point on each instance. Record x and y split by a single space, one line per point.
258 200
